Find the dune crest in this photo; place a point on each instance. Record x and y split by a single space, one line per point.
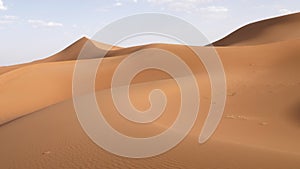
277 29
70 53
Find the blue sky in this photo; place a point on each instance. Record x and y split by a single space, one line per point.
35 29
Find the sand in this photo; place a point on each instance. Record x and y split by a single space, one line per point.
281 28
259 128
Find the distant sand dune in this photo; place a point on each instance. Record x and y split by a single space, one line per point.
69 53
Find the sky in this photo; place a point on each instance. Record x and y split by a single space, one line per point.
35 29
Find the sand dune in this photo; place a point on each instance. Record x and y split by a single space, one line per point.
271 30
259 128
259 108
69 53
57 85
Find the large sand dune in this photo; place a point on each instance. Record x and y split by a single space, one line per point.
271 30
259 128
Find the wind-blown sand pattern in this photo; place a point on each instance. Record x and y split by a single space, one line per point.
260 126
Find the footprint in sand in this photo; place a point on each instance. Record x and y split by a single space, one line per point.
263 123
231 94
46 153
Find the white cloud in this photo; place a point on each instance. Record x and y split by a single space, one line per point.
182 7
2 7
179 1
215 9
285 11
8 19
41 23
214 12
118 4
189 6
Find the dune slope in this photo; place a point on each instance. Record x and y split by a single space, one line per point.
70 53
258 121
56 86
266 31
